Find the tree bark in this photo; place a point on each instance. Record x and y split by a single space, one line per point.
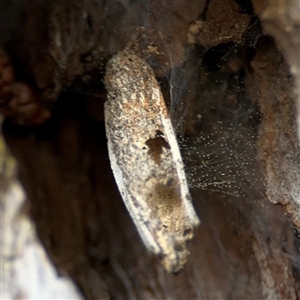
229 72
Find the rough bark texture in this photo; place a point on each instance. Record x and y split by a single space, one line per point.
283 23
233 93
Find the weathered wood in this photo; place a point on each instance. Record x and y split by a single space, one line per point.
26 271
231 91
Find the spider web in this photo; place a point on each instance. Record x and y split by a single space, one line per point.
217 123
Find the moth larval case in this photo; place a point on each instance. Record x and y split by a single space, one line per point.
146 160
180 171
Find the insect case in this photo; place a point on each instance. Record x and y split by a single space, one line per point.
146 160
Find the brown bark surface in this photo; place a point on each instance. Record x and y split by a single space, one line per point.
229 72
